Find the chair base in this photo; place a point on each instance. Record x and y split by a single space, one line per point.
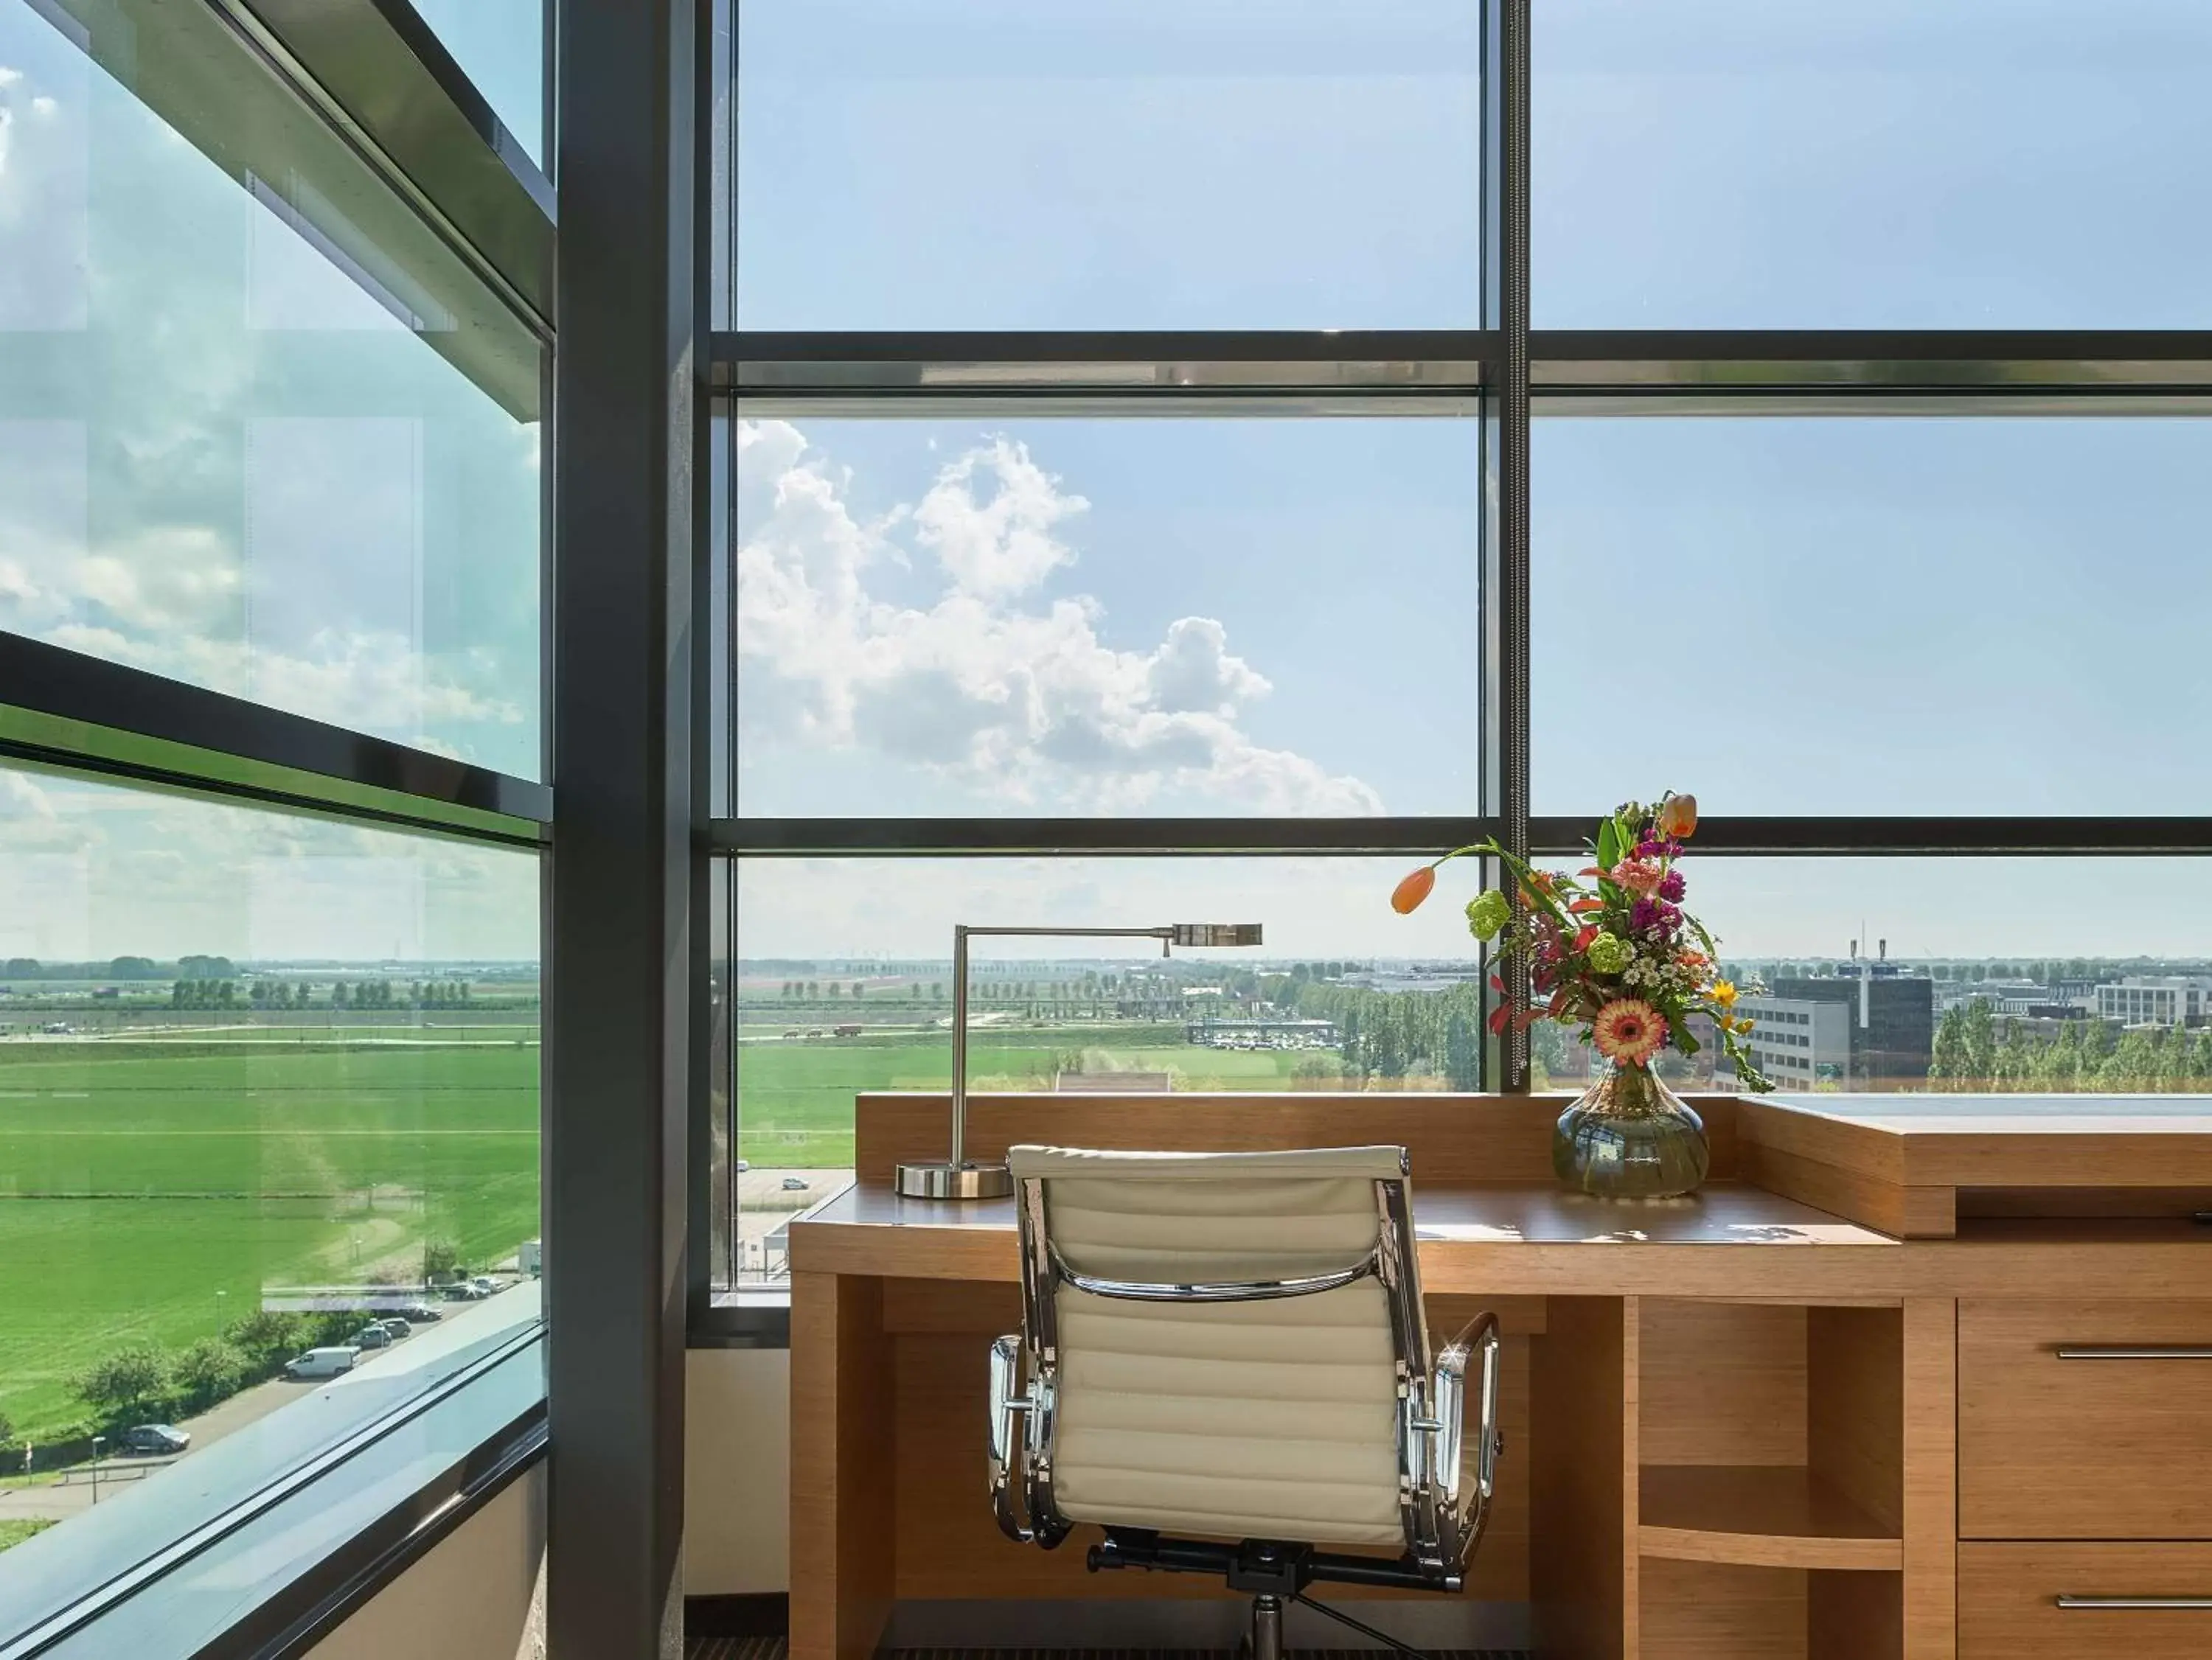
1273 1573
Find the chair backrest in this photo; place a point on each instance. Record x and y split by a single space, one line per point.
1227 1340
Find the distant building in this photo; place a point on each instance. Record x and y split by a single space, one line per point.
1799 1042
1890 1021
2156 1000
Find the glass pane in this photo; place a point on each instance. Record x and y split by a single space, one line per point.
500 46
980 164
1738 164
1871 616
263 1080
1164 616
844 985
259 429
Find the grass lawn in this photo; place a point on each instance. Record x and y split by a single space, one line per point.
14 1532
138 1181
795 1099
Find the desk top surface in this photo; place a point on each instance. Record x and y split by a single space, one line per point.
1723 1214
2007 1115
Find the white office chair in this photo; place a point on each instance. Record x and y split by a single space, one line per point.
1224 1364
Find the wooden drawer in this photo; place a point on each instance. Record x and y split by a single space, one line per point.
2117 1447
2009 1607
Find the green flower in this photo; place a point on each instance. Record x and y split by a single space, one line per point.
1487 913
1607 954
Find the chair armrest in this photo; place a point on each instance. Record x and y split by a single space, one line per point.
1448 1400
1008 1446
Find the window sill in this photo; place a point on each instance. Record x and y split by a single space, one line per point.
237 1552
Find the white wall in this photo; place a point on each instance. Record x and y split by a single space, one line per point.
737 1472
475 1596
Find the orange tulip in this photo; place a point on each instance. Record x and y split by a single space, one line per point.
1417 886
1678 817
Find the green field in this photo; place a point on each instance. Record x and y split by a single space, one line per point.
152 1186
151 1190
14 1532
796 1097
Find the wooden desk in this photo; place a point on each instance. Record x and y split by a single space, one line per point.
1733 1423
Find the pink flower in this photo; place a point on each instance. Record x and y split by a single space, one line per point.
1628 1030
1639 876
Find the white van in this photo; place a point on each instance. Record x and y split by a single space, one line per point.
322 1363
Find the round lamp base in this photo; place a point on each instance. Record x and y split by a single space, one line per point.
955 1181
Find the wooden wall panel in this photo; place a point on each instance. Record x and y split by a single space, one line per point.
1716 1611
1931 1478
1722 1383
841 1415
1450 1138
1854 1616
1855 1407
1582 1517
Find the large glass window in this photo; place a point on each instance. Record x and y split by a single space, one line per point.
1734 164
1113 617
844 988
264 1079
260 430
1877 616
1163 164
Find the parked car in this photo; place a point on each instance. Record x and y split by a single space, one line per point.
463 1291
395 1328
794 1184
372 1337
420 1314
485 1285
326 1362
154 1440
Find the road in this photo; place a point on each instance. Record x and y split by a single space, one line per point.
71 1493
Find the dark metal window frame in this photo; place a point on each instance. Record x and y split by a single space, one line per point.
1503 373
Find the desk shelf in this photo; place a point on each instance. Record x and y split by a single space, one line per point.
1768 1515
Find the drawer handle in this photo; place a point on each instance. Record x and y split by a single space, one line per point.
2111 1603
2159 1352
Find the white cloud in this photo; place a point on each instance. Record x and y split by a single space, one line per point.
44 106
989 519
987 683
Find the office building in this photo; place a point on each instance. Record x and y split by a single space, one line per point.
2156 1000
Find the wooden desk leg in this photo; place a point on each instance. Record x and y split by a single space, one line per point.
1931 1479
842 1470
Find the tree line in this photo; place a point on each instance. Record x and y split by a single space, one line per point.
1976 1048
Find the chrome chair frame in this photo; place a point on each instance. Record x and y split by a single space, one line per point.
1443 1518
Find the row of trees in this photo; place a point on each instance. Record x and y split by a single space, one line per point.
300 994
143 1380
1393 1035
1976 1049
120 968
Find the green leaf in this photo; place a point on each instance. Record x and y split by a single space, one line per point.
1608 843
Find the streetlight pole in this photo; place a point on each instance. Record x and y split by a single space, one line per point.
98 1441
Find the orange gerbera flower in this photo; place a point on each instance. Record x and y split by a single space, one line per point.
1628 1030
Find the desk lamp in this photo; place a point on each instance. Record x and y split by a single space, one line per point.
957 1177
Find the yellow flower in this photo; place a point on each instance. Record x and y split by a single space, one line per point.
1724 994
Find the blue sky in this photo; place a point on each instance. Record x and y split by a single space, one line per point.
1789 615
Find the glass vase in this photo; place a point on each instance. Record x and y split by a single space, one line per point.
1630 1138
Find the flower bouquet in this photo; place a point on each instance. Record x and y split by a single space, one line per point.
1610 951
